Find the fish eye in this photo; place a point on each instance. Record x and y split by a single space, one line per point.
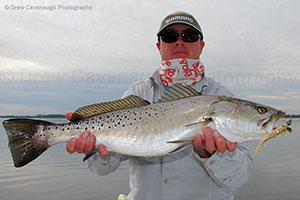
262 110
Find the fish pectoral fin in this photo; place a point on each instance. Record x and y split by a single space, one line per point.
184 142
204 122
131 101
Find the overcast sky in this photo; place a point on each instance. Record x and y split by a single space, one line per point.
53 61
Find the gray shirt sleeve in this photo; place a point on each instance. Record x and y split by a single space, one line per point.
229 170
105 165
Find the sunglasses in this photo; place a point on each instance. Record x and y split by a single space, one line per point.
170 36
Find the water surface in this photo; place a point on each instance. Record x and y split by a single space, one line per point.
57 175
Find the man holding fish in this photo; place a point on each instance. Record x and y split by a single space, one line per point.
210 166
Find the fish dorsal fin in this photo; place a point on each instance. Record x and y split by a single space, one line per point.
131 101
178 92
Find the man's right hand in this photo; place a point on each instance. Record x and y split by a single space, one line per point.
85 143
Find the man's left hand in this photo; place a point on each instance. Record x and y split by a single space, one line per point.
209 141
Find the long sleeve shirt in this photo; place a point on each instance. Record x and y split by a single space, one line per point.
181 175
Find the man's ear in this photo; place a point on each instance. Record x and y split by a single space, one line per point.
158 46
202 43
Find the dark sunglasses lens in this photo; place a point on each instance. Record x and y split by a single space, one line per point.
169 36
172 36
190 36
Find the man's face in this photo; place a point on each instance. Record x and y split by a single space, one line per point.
180 49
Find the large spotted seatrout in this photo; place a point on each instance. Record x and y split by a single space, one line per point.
133 126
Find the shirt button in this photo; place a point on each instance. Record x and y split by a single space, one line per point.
212 162
166 181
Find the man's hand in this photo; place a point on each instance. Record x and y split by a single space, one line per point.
85 143
212 141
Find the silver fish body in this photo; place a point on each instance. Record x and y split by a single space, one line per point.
150 130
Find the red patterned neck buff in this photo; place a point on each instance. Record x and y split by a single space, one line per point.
181 71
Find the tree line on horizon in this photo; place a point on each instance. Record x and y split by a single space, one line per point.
34 116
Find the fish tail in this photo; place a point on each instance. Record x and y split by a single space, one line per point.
25 139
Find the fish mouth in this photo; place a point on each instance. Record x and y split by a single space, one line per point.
269 124
272 131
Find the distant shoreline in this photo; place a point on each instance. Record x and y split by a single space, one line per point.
34 116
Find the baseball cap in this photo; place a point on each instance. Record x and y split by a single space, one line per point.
180 17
